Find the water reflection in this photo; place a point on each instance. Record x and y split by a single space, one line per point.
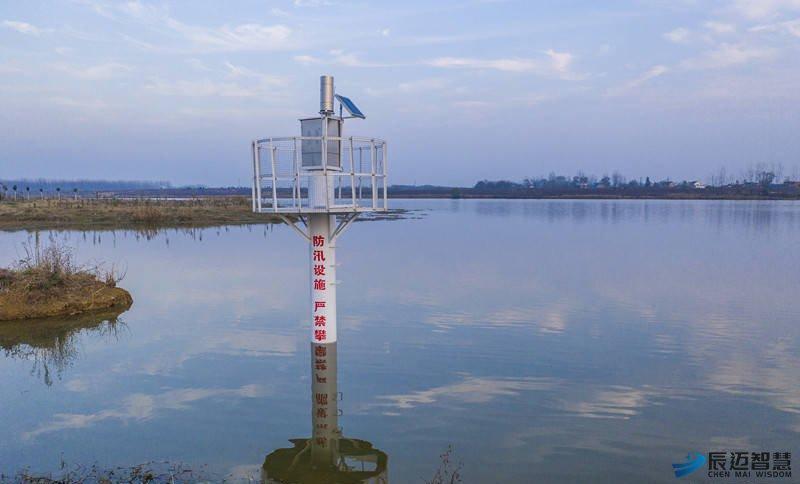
51 343
722 214
327 456
556 341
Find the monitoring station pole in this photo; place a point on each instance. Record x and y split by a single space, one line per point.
318 183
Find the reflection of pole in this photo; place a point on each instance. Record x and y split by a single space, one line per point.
325 421
324 408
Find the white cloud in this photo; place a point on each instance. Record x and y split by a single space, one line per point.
762 9
472 104
469 390
407 87
240 82
790 27
99 7
720 27
23 27
239 72
678 36
729 55
81 104
561 61
197 64
559 64
101 72
338 57
613 402
312 3
652 73
202 88
508 65
306 59
243 37
385 32
422 85
7 69
140 406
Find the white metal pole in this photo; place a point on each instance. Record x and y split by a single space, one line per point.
323 278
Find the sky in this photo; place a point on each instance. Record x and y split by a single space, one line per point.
462 91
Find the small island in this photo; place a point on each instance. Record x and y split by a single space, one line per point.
48 283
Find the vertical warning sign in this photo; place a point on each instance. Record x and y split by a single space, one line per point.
323 270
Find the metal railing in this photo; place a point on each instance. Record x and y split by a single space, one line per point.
353 171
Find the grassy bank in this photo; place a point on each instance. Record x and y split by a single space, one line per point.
100 214
48 283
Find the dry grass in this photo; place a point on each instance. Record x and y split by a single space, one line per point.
48 282
96 214
448 471
150 472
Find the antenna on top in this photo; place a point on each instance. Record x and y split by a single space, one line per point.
326 95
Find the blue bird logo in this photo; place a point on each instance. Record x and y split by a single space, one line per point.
693 462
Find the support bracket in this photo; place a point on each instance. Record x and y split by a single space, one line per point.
291 223
343 224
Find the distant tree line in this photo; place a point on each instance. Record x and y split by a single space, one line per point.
42 188
759 180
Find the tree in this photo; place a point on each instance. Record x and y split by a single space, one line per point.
28 194
15 191
75 191
721 179
41 193
648 183
765 178
58 191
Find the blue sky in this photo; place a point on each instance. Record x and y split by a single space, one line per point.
462 90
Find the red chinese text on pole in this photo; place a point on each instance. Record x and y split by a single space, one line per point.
323 279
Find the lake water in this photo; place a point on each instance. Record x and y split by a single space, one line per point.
546 341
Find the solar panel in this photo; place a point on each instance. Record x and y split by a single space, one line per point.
351 107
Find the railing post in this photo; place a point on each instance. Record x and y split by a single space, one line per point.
255 171
296 175
360 161
258 176
352 174
274 177
373 160
385 182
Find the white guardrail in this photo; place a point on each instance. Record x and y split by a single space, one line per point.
287 170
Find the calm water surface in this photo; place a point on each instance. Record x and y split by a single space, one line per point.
547 341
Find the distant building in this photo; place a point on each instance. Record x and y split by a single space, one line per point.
697 184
